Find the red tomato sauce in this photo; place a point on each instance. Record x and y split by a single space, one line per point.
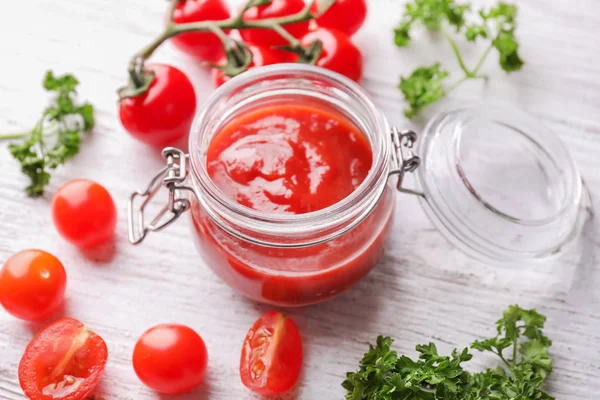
291 159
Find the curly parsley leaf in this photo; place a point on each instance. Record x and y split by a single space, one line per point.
496 25
423 87
56 137
383 375
476 31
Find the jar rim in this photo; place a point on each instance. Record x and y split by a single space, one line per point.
358 203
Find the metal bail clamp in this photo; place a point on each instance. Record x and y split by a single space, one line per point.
403 158
171 177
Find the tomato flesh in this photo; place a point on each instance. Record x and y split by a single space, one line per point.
32 284
63 362
170 358
271 358
84 213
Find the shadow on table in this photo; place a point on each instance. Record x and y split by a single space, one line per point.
202 392
36 326
102 254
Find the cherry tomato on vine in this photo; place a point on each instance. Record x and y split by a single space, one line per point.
62 362
277 8
84 213
339 53
272 355
261 56
201 45
170 358
163 114
346 16
32 284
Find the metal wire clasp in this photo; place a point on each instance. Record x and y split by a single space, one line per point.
403 158
172 177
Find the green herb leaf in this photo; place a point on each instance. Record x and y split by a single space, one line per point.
402 35
508 48
497 25
475 31
383 375
423 87
432 13
56 137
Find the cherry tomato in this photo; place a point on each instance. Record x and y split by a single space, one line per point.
339 53
261 56
170 358
62 362
346 16
164 114
277 8
272 355
32 284
203 46
84 213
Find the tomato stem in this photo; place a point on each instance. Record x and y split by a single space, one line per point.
172 9
138 75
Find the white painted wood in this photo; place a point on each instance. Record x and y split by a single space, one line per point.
424 290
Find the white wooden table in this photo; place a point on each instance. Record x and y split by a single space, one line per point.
424 290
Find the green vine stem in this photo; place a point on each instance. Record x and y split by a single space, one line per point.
140 79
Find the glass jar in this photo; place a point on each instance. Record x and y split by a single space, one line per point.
502 191
284 259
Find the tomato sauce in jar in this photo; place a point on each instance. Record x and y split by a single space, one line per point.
291 159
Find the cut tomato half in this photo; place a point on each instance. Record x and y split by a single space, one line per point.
272 355
62 362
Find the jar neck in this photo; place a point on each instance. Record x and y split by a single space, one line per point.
290 83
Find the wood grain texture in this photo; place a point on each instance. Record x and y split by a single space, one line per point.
424 290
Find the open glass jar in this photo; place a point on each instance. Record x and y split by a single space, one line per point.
300 259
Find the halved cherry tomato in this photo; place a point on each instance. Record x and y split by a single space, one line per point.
345 15
261 56
203 46
276 8
62 362
272 355
170 358
32 284
84 213
164 114
339 53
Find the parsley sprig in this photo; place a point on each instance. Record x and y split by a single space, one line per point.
56 137
383 375
497 25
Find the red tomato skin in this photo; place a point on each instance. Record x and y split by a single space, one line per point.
84 213
339 53
200 45
346 16
170 359
42 354
261 56
32 284
277 8
273 347
163 114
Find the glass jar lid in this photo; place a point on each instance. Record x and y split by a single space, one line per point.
499 184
